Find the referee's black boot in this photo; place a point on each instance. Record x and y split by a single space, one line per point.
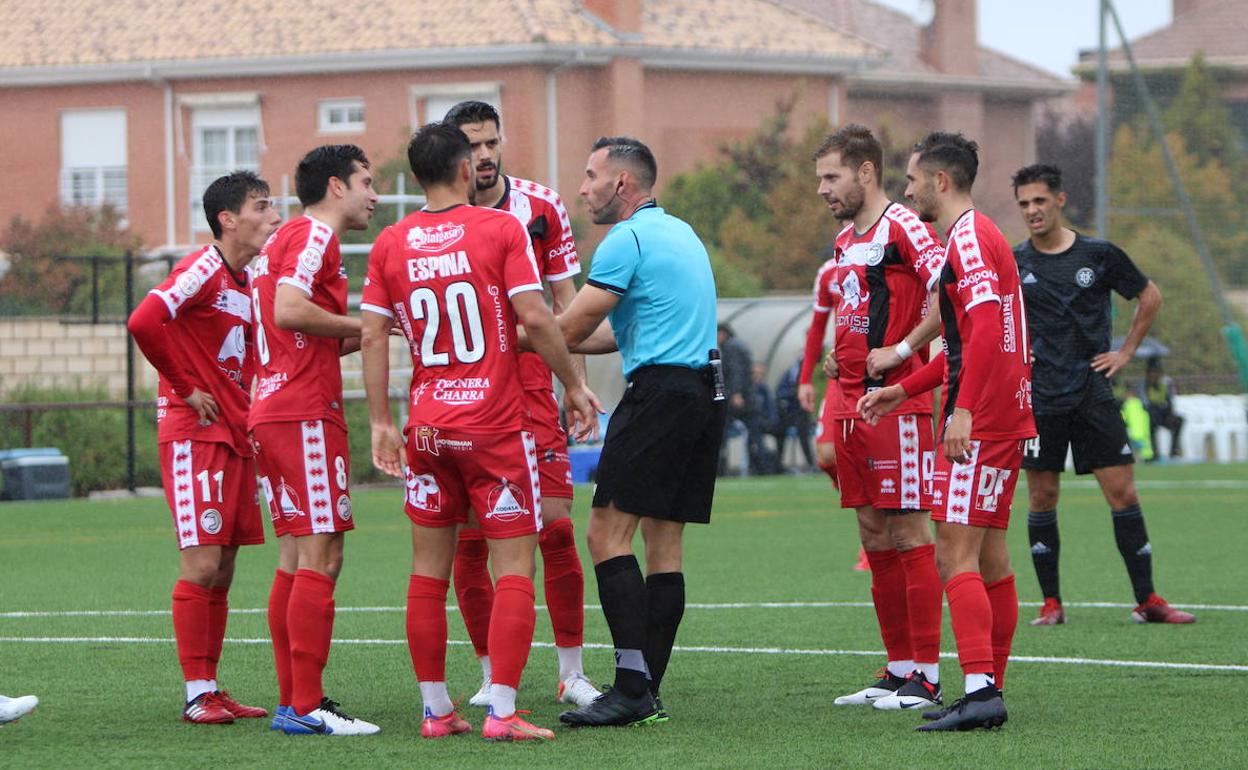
983 708
614 709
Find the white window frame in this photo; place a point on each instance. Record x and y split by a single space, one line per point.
106 182
325 110
231 118
419 96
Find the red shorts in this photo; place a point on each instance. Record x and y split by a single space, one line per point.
211 491
980 492
888 465
826 424
553 467
304 468
494 475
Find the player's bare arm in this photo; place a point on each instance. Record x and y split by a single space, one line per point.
375 348
1109 363
295 311
806 390
877 403
880 360
562 292
544 334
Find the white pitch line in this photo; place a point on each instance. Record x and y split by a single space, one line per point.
679 648
19 614
1165 484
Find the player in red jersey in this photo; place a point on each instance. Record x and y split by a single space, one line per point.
457 279
987 418
302 328
875 287
540 210
196 329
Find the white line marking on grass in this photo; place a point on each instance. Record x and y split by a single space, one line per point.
19 614
679 648
1166 484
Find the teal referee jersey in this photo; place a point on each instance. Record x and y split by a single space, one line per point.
660 270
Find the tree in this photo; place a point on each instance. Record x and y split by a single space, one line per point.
41 281
1070 144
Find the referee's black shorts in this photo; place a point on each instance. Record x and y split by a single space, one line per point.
661 452
1095 433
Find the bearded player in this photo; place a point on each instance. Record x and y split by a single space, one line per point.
540 210
986 421
875 285
196 330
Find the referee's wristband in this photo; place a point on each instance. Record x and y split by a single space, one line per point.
904 350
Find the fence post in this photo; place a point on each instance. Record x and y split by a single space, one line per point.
95 290
130 449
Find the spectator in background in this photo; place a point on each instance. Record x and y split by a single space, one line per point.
1157 394
790 414
761 418
737 362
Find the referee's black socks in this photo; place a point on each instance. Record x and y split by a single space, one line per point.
622 591
1046 546
665 606
1136 551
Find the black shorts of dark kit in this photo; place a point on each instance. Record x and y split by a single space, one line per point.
1095 433
661 453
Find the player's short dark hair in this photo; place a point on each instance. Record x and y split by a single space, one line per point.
633 152
856 145
229 193
472 111
1039 172
320 165
952 153
435 152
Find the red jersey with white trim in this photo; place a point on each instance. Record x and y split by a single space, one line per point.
210 330
879 296
541 211
299 375
979 268
446 278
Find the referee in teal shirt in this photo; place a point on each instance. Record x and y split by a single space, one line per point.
651 278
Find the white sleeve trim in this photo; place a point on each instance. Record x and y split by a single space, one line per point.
300 285
821 309
931 282
378 309
574 270
172 308
526 287
982 300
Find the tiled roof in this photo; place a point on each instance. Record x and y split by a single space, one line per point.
899 35
1216 28
77 33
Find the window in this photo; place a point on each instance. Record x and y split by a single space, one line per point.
340 116
93 158
224 140
431 102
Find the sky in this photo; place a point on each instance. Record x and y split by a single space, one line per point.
1050 33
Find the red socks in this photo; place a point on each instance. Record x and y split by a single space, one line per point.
473 589
924 597
971 615
279 600
218 616
426 627
511 629
564 583
1004 600
888 590
310 624
191 629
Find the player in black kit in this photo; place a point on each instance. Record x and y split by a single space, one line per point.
1066 279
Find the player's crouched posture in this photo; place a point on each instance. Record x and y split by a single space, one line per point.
196 329
987 415
457 279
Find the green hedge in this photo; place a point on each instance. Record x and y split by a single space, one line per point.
94 440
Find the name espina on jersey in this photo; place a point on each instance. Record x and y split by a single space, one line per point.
453 264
